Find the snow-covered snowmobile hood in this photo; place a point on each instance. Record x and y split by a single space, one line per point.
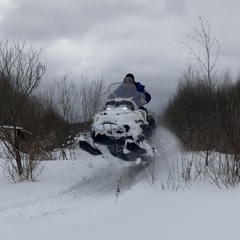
119 122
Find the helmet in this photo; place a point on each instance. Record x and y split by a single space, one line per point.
130 75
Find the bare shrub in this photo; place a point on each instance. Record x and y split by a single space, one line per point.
32 164
224 171
20 74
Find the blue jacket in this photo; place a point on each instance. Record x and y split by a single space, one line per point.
141 88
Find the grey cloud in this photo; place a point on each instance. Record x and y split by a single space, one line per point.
64 19
175 7
111 37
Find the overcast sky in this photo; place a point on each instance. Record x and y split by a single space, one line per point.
109 38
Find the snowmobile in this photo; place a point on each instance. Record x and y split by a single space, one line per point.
124 126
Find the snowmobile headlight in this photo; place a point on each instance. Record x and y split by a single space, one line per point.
109 107
125 107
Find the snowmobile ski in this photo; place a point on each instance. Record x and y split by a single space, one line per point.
133 147
86 146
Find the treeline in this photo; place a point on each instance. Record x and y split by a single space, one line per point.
206 118
33 119
47 112
207 123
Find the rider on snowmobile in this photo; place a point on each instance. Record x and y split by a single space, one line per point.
127 89
122 127
129 78
139 86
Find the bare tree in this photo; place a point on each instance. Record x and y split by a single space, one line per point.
21 71
66 95
89 97
207 52
75 101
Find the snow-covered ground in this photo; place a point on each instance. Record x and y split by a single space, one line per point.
76 199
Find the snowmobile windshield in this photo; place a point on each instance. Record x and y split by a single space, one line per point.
126 91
